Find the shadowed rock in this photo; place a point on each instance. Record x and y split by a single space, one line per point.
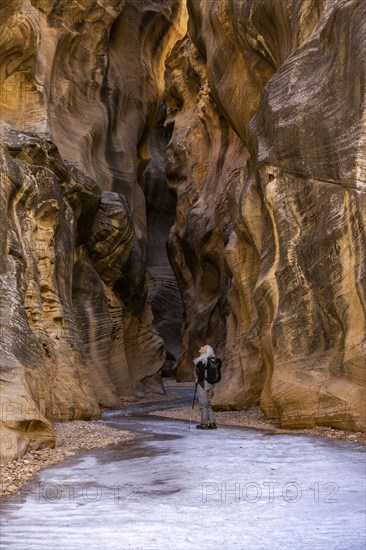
202 159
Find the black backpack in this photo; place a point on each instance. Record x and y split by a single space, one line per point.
213 370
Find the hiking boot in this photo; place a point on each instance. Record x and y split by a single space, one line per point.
202 426
212 426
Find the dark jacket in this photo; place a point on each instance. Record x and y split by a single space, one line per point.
200 371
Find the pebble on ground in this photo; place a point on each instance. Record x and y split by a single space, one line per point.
254 418
78 434
70 438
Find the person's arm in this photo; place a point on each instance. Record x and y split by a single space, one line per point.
199 372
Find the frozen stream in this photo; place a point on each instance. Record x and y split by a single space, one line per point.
175 488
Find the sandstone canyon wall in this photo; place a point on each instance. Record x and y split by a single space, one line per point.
289 79
246 137
81 83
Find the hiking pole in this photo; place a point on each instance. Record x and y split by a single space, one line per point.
194 399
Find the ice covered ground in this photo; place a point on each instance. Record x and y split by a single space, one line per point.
175 488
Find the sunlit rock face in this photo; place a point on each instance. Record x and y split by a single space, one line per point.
289 77
80 87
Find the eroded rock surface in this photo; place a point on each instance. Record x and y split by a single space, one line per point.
294 91
80 86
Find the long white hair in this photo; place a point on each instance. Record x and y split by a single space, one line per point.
204 356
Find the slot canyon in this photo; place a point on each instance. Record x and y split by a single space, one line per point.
175 173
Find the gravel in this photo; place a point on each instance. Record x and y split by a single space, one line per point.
71 437
74 436
254 418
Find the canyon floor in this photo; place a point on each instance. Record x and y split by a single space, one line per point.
73 437
250 418
169 486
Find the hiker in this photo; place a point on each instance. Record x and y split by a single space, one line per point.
204 389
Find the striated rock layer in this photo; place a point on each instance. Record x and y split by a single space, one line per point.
80 86
289 77
253 165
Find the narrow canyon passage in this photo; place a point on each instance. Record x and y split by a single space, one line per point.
175 487
175 173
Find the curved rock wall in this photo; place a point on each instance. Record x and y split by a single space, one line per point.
294 91
44 374
76 328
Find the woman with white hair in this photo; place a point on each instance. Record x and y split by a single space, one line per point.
204 388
